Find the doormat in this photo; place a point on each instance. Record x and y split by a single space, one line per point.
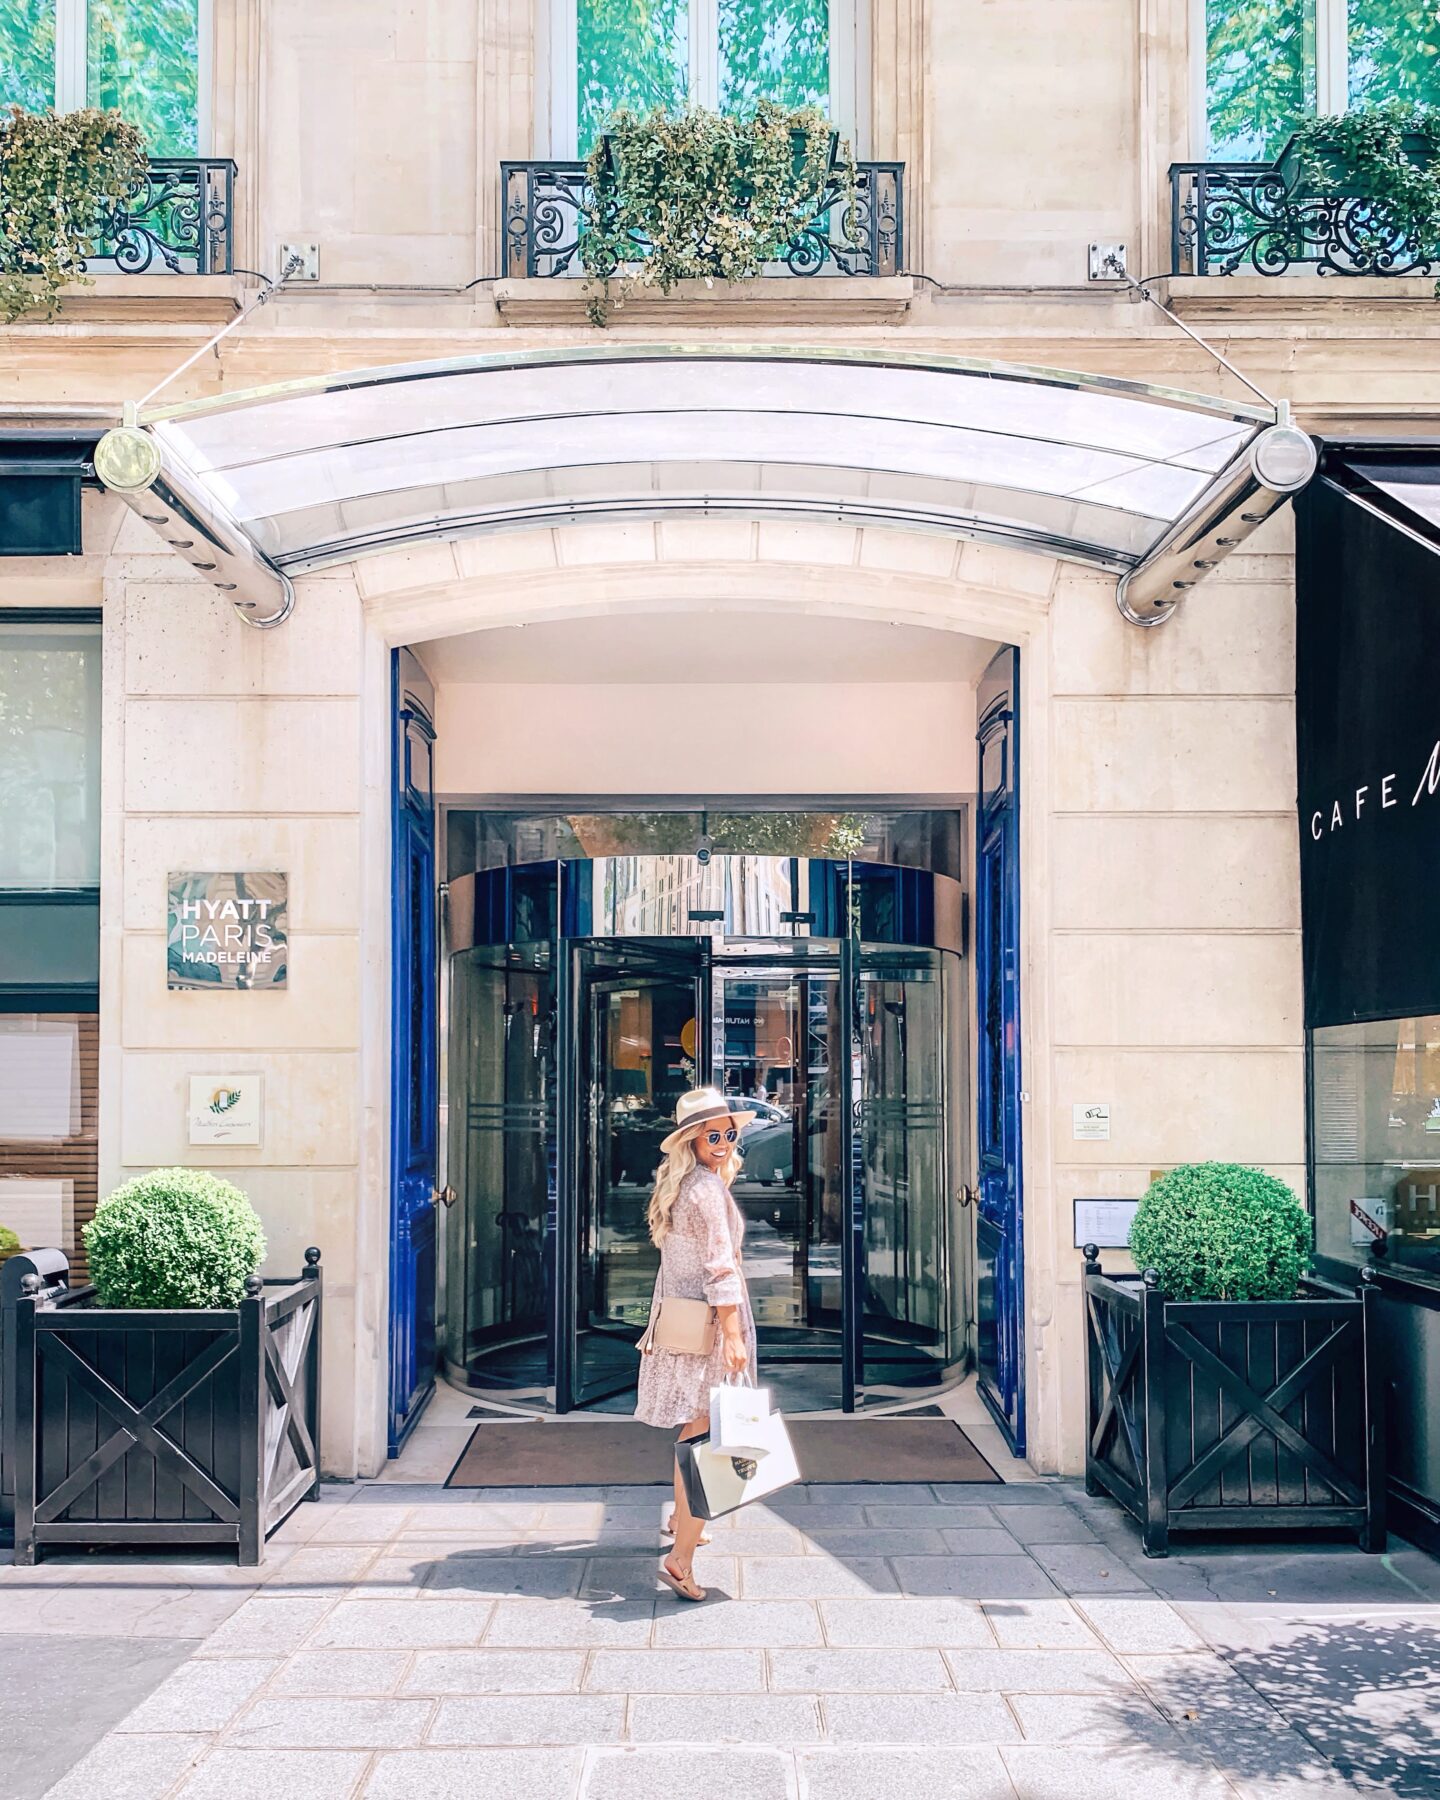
625 1453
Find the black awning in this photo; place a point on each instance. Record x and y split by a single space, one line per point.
1367 683
41 474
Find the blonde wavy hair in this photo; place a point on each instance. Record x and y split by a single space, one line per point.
672 1171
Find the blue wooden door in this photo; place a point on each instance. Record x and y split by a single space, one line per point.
999 1227
415 1056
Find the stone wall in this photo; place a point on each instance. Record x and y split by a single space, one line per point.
229 748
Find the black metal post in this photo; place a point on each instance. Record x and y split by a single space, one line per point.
254 1502
1091 1267
24 1438
1155 1530
1374 1532
311 1272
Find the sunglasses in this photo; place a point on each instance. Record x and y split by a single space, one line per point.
714 1137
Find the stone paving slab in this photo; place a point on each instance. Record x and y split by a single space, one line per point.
904 1719
461 1775
725 1719
858 1642
267 1774
929 1774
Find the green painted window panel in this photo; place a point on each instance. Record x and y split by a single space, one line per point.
629 53
1260 59
27 53
143 58
774 50
1394 52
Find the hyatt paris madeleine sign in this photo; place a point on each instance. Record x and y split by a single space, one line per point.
227 930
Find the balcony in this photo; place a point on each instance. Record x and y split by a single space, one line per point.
546 205
1259 219
176 220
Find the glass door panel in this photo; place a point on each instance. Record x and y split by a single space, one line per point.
501 1133
906 1308
641 1036
773 1039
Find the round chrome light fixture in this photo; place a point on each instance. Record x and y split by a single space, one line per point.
1283 458
127 459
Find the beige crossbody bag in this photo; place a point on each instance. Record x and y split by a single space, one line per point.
685 1326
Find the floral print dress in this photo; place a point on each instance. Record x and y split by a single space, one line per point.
700 1259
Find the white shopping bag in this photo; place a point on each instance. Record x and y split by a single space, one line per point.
738 1414
717 1482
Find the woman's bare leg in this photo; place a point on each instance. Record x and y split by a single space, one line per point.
688 1528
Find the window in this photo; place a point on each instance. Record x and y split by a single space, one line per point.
141 57
726 54
49 924
49 754
1375 1140
1269 63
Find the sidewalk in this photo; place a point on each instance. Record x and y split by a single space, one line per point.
1007 1642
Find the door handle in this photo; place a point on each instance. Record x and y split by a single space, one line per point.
446 1194
966 1196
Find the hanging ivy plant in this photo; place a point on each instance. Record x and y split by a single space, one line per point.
1387 156
59 173
707 196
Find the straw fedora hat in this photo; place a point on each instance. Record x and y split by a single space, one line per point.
699 1107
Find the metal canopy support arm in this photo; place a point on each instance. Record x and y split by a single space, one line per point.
1280 462
187 514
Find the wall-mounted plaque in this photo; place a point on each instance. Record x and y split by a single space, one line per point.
227 931
225 1109
1092 1120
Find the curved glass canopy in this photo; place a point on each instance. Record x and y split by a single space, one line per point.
318 471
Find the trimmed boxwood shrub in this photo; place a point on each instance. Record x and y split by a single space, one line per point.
1219 1231
174 1238
9 1241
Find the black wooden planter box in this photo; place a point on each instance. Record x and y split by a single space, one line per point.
1220 1415
157 1427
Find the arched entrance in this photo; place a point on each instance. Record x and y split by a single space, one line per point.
913 488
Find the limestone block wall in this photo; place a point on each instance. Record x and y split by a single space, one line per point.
1173 954
228 748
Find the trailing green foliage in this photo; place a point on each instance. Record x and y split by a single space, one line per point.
174 1238
706 195
9 1241
1219 1231
57 173
1389 155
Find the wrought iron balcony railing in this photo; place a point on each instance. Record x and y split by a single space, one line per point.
546 205
176 220
1264 219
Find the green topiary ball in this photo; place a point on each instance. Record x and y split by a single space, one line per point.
1218 1231
9 1242
174 1238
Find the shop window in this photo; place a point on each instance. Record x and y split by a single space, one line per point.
49 1066
49 925
1375 1138
49 754
141 57
1269 63
726 54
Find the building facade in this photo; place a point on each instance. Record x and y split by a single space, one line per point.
730 725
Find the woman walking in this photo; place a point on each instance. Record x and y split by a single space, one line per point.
697 1228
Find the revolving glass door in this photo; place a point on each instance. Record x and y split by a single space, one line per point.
567 1058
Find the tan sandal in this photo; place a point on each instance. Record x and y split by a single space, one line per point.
668 1530
684 1585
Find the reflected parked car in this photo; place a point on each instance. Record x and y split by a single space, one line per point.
768 1143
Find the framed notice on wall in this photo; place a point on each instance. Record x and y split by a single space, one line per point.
1104 1223
228 930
